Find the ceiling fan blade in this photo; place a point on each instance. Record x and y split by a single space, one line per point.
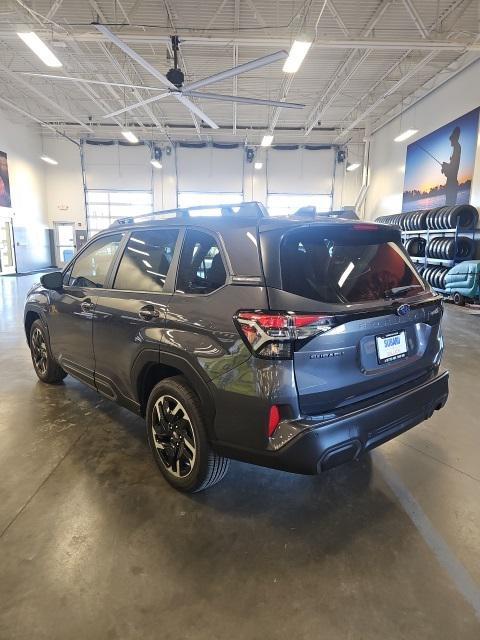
137 105
235 71
109 84
137 57
244 100
194 109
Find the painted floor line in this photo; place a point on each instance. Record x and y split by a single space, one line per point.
455 569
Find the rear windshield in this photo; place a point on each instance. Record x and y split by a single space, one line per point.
349 270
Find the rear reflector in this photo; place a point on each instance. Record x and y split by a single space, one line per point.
273 419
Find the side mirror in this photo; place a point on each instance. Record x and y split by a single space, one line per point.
52 280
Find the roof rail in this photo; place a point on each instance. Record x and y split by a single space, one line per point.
249 209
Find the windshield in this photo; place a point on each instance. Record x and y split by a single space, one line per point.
328 270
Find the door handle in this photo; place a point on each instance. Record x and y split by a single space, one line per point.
148 312
87 305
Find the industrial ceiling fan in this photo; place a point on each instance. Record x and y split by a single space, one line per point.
174 81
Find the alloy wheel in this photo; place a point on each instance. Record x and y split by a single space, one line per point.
39 352
173 436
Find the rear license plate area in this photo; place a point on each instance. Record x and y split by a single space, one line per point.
391 347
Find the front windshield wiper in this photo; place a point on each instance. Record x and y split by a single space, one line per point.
397 292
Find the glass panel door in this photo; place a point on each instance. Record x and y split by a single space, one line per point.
7 257
64 242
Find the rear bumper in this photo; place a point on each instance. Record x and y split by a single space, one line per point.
322 444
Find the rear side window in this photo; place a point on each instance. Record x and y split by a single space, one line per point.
201 268
146 260
327 269
91 267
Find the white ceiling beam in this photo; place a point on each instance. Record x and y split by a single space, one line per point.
135 92
266 41
31 89
258 17
338 19
394 87
53 9
462 5
97 10
426 89
29 115
215 15
288 77
415 16
343 74
343 79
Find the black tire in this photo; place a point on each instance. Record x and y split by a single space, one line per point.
465 248
443 218
421 221
431 216
45 365
180 445
459 299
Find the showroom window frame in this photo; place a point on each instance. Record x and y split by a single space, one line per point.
272 212
221 199
300 194
148 207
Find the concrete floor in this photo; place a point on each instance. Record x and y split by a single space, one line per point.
94 544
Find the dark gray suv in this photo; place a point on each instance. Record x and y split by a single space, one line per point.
290 343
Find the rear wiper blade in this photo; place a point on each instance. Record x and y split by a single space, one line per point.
397 292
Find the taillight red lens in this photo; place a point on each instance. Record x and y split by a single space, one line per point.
273 419
272 335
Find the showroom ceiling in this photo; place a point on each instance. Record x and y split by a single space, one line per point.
369 60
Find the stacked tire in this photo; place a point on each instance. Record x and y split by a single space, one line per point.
435 276
393 219
414 221
463 216
462 248
416 247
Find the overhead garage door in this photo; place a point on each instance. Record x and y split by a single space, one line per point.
298 178
209 175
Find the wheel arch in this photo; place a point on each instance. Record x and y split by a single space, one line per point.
30 316
153 372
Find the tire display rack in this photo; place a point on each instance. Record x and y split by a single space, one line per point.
437 239
429 235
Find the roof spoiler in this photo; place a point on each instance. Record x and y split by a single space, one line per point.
310 213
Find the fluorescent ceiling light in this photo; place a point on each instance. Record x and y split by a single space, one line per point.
267 140
40 49
405 135
353 167
131 137
258 165
48 160
156 164
298 51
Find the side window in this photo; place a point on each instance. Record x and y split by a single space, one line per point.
201 267
145 263
91 266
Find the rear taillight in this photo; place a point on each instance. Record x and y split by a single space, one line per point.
273 335
273 419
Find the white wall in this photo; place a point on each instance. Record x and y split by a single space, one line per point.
456 97
27 185
64 185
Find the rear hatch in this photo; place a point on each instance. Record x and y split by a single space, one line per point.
385 321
